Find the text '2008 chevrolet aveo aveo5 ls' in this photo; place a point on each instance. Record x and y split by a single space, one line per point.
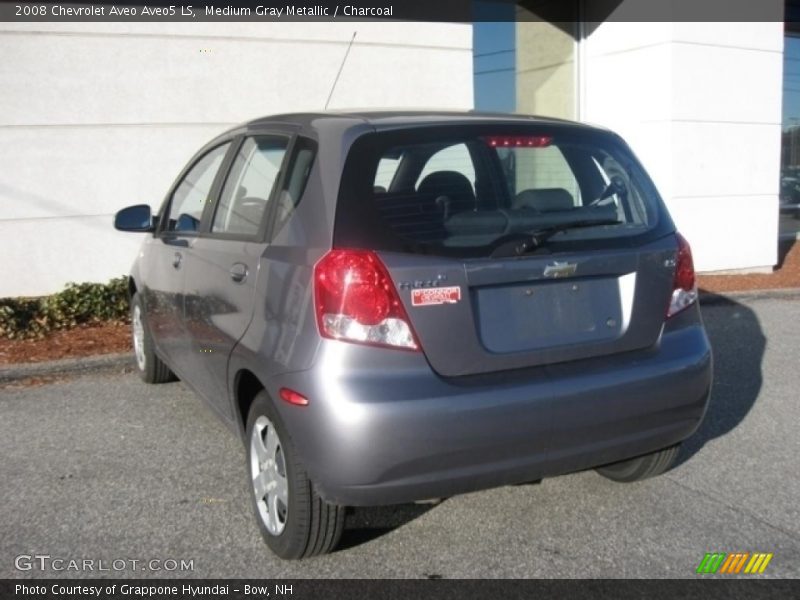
398 306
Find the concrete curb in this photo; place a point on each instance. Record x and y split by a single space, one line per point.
67 366
712 298
110 362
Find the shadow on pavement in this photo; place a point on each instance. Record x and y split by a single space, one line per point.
364 524
738 344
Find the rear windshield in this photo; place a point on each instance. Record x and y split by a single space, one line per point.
464 191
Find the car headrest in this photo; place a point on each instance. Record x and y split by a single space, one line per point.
452 184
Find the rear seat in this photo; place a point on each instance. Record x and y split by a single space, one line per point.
544 199
421 214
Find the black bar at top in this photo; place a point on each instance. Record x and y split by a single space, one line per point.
427 10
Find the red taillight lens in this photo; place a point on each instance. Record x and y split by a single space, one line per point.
684 288
356 301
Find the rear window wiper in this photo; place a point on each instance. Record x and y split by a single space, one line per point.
517 244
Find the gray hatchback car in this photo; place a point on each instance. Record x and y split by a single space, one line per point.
399 306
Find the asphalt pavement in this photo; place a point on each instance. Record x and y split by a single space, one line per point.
105 468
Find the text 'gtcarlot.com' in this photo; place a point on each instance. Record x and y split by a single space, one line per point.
46 562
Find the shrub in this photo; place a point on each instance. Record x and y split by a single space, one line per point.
24 318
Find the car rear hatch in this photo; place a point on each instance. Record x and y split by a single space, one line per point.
489 315
512 246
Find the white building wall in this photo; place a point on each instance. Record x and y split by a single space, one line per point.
700 103
98 116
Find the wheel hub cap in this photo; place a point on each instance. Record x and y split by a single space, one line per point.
138 337
268 475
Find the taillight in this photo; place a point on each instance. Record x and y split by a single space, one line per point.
684 287
356 301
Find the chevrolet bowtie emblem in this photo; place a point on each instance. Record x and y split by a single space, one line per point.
559 269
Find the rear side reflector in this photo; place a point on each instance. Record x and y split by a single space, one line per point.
293 397
518 141
684 287
356 301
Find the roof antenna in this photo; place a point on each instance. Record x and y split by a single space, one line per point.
344 60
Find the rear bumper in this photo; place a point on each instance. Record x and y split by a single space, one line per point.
377 434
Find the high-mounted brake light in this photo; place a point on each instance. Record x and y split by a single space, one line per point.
684 288
518 141
356 301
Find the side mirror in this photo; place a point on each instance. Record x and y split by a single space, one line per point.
187 223
135 218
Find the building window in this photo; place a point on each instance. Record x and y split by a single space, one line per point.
789 220
524 59
494 58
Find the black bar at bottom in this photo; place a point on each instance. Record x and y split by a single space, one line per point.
361 589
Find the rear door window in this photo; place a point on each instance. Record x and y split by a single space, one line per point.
249 187
294 186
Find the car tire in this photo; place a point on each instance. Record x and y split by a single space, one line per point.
641 467
149 366
294 520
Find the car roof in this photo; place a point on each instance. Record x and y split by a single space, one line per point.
393 118
336 122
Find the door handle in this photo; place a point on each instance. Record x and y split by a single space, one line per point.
176 260
238 272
